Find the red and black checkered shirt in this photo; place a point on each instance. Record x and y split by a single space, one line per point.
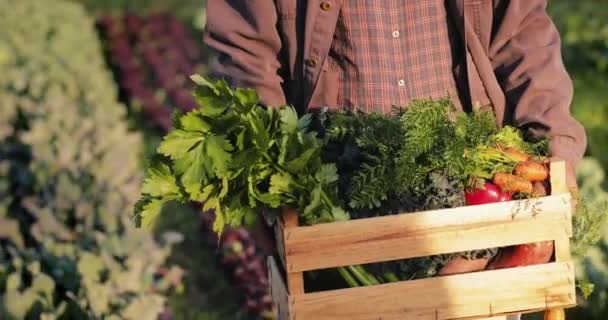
390 52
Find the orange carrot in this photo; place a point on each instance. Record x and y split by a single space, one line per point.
531 171
512 183
516 154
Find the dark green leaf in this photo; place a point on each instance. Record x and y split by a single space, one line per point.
299 163
304 122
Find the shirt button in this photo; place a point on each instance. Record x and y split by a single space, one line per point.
312 62
396 34
325 5
401 83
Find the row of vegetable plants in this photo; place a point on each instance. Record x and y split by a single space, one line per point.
69 177
152 57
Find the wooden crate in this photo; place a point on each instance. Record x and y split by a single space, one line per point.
465 296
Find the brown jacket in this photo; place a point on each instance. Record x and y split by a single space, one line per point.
511 59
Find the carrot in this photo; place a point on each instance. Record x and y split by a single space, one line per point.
531 171
516 154
512 183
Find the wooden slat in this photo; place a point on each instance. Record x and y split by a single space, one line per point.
559 185
562 244
558 177
422 234
562 249
295 280
480 294
278 291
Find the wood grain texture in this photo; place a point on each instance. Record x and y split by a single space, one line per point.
481 294
557 171
466 296
295 279
562 249
426 233
562 244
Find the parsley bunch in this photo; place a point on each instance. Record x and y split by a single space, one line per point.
385 162
239 158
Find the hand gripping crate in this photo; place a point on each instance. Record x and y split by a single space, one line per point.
474 295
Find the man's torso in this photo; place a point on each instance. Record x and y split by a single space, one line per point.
387 53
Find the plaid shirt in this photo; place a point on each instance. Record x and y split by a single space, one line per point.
390 52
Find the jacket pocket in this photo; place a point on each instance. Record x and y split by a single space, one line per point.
325 93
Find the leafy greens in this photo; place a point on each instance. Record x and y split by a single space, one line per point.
237 157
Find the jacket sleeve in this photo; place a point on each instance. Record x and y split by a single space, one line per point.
525 53
246 42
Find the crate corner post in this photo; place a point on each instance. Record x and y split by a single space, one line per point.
283 283
557 171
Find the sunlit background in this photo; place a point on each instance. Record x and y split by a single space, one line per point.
88 87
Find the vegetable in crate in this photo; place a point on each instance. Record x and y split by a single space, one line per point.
489 193
415 161
240 158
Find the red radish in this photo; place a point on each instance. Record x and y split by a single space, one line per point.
491 193
523 255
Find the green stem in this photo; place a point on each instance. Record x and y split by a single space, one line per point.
352 282
267 157
364 281
326 197
360 273
391 277
370 276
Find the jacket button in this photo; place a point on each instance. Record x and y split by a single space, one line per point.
312 62
325 5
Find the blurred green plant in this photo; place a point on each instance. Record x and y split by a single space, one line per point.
68 177
207 294
584 30
590 107
594 265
